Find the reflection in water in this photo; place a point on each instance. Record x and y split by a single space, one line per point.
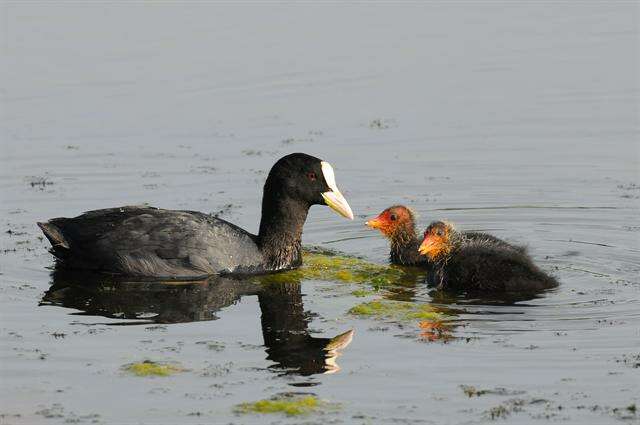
452 309
451 297
284 321
284 327
158 302
416 284
432 331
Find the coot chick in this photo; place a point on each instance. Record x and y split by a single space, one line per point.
487 265
398 224
156 243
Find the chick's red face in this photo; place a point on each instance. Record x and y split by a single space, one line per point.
389 220
436 241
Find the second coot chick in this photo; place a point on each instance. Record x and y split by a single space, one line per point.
478 264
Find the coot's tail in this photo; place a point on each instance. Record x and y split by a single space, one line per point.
60 246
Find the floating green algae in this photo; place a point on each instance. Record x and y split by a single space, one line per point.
149 368
289 405
433 323
362 293
330 266
397 310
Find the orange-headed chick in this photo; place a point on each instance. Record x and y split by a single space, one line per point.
397 223
478 262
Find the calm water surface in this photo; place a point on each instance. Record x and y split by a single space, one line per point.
518 119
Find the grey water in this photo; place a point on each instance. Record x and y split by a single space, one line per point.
517 118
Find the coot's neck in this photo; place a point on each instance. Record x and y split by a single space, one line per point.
280 235
404 246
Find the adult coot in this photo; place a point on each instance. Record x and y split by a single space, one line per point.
477 264
398 224
151 242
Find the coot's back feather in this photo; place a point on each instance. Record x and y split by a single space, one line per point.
152 242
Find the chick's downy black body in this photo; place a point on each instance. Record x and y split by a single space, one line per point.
157 243
482 263
404 251
488 267
487 239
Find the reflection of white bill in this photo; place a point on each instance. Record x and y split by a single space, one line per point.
332 348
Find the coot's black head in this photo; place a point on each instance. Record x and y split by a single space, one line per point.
307 179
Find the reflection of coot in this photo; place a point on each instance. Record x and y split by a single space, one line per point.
284 328
284 322
160 302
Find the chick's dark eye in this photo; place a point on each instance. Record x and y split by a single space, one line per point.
439 232
311 176
393 217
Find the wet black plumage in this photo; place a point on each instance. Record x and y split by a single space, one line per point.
481 263
150 242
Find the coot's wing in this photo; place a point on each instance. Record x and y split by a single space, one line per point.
151 242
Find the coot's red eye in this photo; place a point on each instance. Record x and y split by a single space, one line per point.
311 175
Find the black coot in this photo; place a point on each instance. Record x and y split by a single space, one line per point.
482 263
157 243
